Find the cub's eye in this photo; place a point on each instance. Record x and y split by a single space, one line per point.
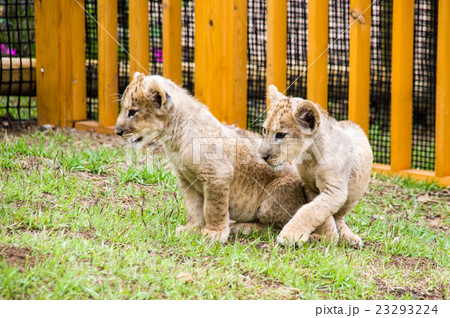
280 135
132 112
264 131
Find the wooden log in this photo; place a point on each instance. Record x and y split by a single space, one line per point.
18 76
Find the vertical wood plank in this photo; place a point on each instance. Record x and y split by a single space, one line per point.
443 92
201 42
172 40
78 29
53 61
108 86
359 77
237 55
220 58
276 43
139 37
317 77
402 84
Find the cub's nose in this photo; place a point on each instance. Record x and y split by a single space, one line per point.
265 155
118 131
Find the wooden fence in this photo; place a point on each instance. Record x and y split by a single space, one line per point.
220 65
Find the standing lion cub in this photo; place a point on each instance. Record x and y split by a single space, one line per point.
334 160
217 166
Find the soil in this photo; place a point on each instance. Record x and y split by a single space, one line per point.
17 256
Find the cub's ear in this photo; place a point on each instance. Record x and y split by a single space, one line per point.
136 74
307 114
156 93
274 94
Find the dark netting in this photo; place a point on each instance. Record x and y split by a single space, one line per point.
297 47
91 59
380 81
256 63
424 84
123 37
156 55
187 39
338 58
17 74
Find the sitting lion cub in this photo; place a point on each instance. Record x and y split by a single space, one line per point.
334 160
217 166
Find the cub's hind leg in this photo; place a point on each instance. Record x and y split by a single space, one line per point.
327 231
281 200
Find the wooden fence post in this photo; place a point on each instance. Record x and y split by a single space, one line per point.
276 44
317 76
402 84
139 37
108 84
443 92
60 85
172 40
359 77
221 58
78 28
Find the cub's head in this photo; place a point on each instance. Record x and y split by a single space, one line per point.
144 109
289 121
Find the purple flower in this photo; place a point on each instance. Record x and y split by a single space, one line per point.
4 50
159 55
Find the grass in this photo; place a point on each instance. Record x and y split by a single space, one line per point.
78 221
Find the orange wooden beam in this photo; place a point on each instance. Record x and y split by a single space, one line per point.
108 86
139 37
443 92
276 43
78 107
359 77
60 55
317 77
221 58
402 84
172 40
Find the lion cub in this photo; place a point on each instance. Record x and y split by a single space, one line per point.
217 167
334 160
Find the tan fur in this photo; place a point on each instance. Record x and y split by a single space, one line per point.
235 186
334 160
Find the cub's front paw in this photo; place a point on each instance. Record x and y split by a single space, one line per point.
353 240
292 236
221 236
181 229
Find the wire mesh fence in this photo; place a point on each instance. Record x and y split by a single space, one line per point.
188 44
155 48
256 63
91 59
380 81
18 86
338 58
297 46
424 84
17 70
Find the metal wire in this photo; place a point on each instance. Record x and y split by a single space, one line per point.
17 47
424 84
256 59
380 81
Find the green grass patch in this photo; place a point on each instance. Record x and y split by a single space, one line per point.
77 221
